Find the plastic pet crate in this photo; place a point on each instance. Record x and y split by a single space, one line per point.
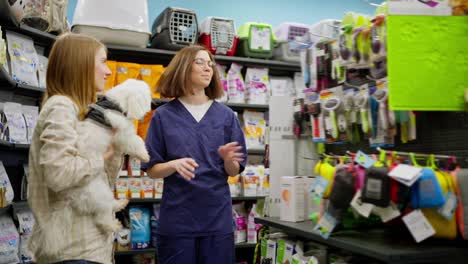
256 40
174 29
285 33
113 22
218 35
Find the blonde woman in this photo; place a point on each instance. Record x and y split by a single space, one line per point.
194 143
76 72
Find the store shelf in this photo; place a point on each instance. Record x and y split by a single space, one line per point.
40 38
145 200
256 151
234 106
8 145
135 251
380 244
247 198
271 64
7 83
245 245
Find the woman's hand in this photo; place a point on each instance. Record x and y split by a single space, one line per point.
185 167
230 152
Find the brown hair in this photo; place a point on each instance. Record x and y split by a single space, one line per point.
70 70
174 82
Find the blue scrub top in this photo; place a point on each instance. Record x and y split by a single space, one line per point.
202 206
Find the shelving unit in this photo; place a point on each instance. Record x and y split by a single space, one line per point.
158 200
12 146
379 244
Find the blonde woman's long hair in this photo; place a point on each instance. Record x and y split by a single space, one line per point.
71 70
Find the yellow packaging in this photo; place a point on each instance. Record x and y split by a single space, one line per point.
135 187
234 185
112 78
125 71
150 73
147 187
121 188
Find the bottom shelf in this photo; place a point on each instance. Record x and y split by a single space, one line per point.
381 244
135 251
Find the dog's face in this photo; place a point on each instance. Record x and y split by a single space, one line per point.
133 96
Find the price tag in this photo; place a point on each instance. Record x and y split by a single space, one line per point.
387 213
363 209
448 209
326 225
318 187
364 160
418 225
405 174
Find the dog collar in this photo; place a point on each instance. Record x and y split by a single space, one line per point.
96 111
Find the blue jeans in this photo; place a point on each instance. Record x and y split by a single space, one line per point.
76 261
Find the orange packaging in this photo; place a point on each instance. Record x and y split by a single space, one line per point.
143 125
112 78
150 73
147 187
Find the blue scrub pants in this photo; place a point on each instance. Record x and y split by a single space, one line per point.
218 249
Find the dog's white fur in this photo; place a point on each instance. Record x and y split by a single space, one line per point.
96 198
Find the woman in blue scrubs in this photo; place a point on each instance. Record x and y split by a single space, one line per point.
194 143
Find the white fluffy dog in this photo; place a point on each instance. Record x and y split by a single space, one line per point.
110 121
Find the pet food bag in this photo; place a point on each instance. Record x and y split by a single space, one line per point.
252 227
15 130
5 182
158 188
26 223
235 186
42 70
31 114
223 77
121 188
140 227
23 58
9 241
143 125
135 187
3 52
257 86
147 186
123 239
240 227
235 84
254 129
151 74
250 181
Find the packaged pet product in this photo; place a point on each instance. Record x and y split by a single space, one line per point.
123 238
121 188
284 251
158 188
252 227
112 79
24 183
257 86
3 57
5 182
26 223
223 77
254 129
134 168
282 86
134 187
143 125
31 114
14 125
127 70
250 181
240 222
140 227
150 74
41 70
155 224
147 186
23 58
235 84
9 241
264 184
146 258
235 186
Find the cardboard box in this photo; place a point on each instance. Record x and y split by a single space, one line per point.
292 198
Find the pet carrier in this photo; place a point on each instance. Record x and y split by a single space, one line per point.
174 29
256 40
218 35
113 22
285 33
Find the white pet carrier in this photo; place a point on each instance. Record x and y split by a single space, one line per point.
285 33
113 22
218 35
174 29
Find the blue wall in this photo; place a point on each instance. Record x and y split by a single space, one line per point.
265 11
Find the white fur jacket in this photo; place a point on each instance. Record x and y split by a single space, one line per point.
54 167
